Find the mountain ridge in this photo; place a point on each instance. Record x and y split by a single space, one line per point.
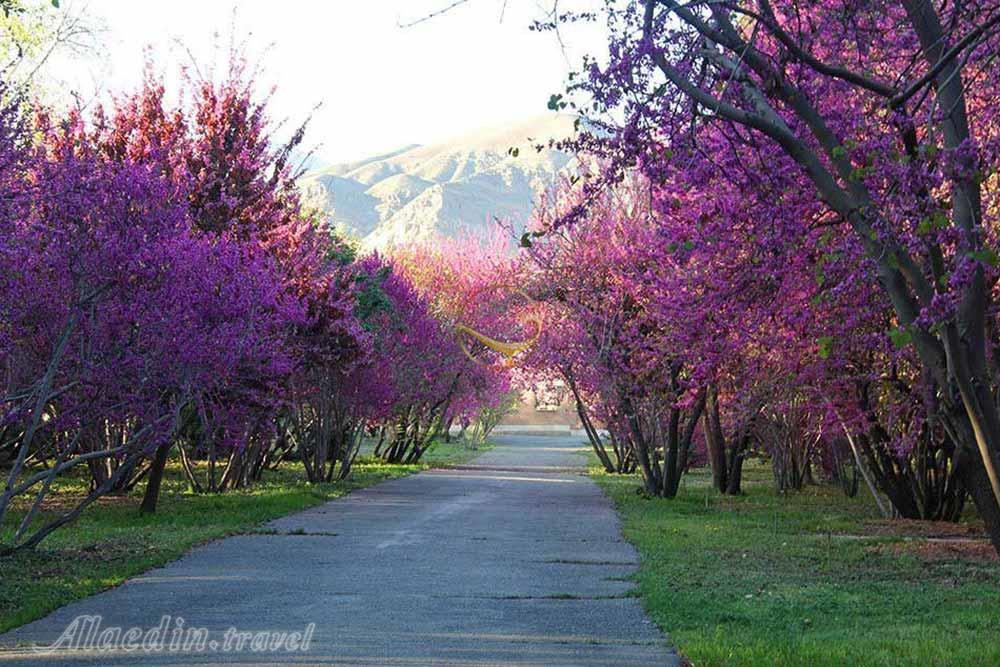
457 186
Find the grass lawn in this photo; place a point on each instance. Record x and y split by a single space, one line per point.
111 541
766 579
440 454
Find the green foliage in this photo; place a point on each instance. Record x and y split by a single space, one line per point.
23 31
764 579
343 253
372 299
900 338
556 102
986 256
33 31
443 454
490 417
933 222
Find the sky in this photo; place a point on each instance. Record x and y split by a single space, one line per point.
380 86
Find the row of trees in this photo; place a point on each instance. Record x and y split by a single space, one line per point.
163 290
783 242
787 244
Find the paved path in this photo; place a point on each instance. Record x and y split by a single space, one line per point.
514 559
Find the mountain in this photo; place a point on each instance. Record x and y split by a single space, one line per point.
305 158
456 186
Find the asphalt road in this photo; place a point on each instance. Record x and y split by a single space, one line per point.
515 559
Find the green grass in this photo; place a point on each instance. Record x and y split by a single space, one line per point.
443 454
111 541
766 579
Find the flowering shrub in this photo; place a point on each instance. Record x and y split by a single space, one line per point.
163 290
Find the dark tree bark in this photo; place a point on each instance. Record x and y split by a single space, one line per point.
715 441
973 477
592 435
155 479
679 444
725 455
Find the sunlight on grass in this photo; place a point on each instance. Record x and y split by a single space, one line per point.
765 579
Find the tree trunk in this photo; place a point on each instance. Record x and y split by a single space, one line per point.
972 474
588 427
152 495
447 428
735 472
715 441
680 445
670 477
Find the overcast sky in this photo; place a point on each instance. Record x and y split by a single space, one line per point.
381 86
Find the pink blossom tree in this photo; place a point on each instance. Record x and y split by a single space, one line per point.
882 115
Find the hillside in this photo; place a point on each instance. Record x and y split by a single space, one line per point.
460 185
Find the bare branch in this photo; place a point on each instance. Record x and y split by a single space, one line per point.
439 12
